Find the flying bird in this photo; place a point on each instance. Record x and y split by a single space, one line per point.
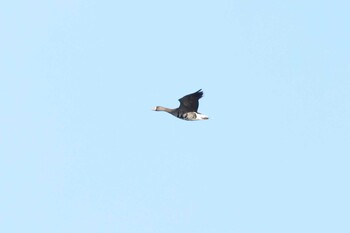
188 108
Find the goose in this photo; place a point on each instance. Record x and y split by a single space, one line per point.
187 109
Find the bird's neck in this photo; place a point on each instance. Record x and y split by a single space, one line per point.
169 110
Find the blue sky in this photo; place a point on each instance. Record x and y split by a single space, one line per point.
81 150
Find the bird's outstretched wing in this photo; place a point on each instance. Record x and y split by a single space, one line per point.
189 103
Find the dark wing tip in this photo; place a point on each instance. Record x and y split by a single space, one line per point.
200 93
197 94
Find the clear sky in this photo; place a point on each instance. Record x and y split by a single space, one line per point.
81 150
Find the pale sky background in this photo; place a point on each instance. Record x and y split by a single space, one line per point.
81 150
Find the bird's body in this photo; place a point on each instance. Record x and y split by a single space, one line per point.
188 108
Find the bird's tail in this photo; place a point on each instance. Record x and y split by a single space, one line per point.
200 116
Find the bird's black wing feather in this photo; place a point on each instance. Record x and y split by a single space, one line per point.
189 103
